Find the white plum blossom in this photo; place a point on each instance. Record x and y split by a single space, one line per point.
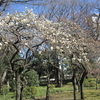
24 21
57 47
0 44
51 48
31 29
40 52
11 24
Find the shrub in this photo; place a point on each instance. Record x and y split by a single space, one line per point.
30 92
32 78
12 86
86 83
89 83
4 90
98 81
92 84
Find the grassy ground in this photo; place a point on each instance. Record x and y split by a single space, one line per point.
68 95
64 93
92 94
7 97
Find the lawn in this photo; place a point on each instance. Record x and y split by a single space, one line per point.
68 95
64 93
92 94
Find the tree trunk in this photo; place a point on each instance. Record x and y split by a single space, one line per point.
61 76
81 91
57 77
74 89
81 84
8 84
1 87
21 94
18 86
74 84
96 83
2 78
61 80
48 89
78 83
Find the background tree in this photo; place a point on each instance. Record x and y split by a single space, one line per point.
4 65
32 78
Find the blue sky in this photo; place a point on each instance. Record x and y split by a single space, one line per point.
17 7
21 7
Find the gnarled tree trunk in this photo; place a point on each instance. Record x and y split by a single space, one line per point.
81 84
74 84
18 86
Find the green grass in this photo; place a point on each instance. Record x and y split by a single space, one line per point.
68 95
92 94
7 96
67 90
41 91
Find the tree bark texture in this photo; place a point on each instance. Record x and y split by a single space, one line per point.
2 78
96 83
58 77
18 86
81 84
74 84
48 89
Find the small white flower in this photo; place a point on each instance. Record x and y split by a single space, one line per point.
40 52
51 48
57 47
73 59
11 24
54 41
28 25
0 44
26 43
80 60
6 42
24 21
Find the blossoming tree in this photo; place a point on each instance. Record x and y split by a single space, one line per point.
25 32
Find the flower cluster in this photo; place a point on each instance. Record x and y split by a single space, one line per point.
29 30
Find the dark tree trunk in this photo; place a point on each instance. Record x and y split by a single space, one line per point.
61 80
18 86
61 76
81 91
74 84
48 89
81 84
74 89
78 86
57 76
21 94
96 83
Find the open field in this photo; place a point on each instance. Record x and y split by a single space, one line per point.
68 95
64 93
